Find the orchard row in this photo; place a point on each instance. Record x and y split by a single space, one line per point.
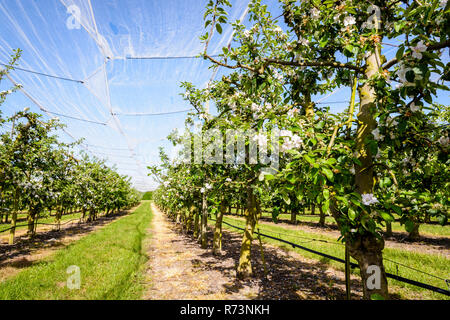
382 159
38 172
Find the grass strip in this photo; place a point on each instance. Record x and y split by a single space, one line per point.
110 261
430 263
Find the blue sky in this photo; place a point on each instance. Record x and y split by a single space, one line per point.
97 53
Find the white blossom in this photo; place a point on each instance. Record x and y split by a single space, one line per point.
297 57
293 142
418 49
401 72
292 112
228 179
256 108
443 3
261 139
303 41
315 13
277 76
349 21
369 199
376 134
378 155
202 190
247 34
444 141
414 108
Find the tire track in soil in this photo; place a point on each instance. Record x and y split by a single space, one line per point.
178 269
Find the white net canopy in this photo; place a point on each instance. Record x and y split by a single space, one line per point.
109 70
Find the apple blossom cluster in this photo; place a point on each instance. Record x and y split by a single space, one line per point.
291 142
369 199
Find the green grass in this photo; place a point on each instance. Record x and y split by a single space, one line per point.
433 264
425 229
111 262
47 219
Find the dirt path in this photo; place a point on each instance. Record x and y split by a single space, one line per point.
179 269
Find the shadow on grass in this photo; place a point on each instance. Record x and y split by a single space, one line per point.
25 245
400 237
288 278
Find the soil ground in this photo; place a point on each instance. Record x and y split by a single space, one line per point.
181 270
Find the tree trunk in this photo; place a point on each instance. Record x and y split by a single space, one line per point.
313 209
189 219
58 218
204 235
217 242
293 216
12 231
367 250
244 269
30 219
414 234
322 217
196 224
388 229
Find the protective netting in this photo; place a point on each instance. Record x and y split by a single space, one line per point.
109 70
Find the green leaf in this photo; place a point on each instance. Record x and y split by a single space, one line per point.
328 173
442 220
307 158
399 54
397 209
291 178
352 214
409 226
286 198
325 205
219 28
376 296
386 216
326 194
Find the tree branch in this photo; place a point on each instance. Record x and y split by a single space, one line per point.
436 46
315 64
